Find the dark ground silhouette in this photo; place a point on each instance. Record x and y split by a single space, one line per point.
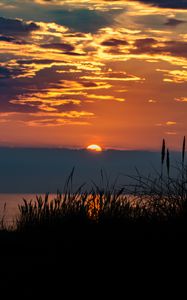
101 246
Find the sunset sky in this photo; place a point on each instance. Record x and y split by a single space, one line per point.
80 72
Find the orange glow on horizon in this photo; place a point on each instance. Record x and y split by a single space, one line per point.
94 147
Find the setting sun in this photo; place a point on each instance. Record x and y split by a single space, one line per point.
94 147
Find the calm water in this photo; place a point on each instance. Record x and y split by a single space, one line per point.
12 201
10 211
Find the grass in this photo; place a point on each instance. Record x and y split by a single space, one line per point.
109 226
167 196
156 203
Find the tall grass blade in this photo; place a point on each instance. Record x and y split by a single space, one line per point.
163 152
183 150
168 162
183 167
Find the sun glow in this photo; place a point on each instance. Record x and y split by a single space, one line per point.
94 147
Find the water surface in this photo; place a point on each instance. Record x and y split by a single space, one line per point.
9 205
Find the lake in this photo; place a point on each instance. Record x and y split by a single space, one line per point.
12 201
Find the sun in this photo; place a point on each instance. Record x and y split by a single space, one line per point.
94 147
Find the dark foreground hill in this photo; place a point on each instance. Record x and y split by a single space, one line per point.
79 257
47 264
106 240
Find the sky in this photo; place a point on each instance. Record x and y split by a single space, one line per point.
80 72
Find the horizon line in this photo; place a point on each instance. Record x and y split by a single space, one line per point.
82 149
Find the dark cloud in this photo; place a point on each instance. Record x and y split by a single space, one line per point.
114 42
44 80
84 20
74 53
6 38
75 34
10 39
144 46
59 46
167 3
174 22
16 27
161 3
11 72
175 48
64 47
144 43
89 84
4 73
36 61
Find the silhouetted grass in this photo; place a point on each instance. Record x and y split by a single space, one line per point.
3 226
132 228
150 203
165 196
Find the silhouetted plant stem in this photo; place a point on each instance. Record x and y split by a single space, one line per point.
183 150
163 153
183 167
168 162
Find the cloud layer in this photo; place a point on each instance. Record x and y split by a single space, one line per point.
167 3
111 72
16 27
